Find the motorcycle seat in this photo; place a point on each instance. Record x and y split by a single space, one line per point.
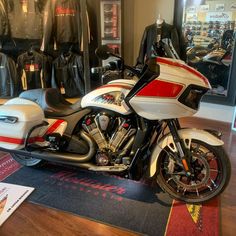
52 102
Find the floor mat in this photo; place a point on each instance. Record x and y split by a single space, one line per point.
137 206
125 203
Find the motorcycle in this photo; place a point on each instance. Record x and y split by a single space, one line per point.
126 127
214 61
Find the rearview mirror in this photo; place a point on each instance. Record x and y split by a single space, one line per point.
103 52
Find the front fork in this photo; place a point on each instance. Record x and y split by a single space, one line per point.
184 153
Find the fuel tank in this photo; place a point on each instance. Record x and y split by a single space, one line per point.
110 96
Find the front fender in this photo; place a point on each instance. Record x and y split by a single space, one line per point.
187 135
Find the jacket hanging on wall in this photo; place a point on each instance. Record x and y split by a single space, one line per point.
4 25
67 75
34 70
26 18
9 85
150 37
62 22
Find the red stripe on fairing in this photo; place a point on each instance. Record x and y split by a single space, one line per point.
186 67
115 86
158 88
20 141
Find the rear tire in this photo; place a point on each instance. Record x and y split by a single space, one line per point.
212 172
27 160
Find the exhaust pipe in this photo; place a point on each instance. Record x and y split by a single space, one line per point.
71 159
66 158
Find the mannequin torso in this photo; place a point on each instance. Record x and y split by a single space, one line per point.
159 21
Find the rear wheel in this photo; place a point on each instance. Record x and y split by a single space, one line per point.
210 173
27 160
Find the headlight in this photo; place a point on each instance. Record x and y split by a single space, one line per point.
192 96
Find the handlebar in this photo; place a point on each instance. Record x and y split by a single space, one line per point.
100 69
103 52
116 65
112 65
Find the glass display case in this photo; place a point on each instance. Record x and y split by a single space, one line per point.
208 34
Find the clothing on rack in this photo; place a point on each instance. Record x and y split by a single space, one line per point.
151 34
26 18
67 75
62 22
34 70
9 84
4 24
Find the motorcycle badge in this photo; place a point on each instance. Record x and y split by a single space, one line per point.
195 212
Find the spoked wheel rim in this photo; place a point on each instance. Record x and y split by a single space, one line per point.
207 174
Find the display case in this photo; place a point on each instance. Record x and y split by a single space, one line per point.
110 16
207 30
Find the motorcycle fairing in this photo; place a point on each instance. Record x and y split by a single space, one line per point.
185 134
158 98
152 96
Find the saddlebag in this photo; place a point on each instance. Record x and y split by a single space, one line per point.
16 121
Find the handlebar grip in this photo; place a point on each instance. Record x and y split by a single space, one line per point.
99 69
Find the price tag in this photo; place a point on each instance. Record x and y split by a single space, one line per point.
24 6
32 69
63 91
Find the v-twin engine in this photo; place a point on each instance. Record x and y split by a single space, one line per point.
113 135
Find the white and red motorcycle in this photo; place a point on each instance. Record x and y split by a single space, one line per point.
126 127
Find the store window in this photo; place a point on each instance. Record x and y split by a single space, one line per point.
209 28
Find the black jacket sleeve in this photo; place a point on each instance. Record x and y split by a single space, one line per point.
15 85
175 40
48 21
142 48
79 75
4 24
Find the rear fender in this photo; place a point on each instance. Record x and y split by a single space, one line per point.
185 134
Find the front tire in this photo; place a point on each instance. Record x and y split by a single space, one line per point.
27 160
211 173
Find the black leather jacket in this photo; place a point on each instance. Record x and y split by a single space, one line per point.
62 22
34 70
67 75
26 18
9 84
150 37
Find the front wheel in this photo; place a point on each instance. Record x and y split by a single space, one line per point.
210 173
